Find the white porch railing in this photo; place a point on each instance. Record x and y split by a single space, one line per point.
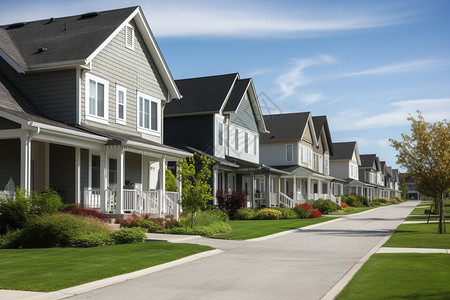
273 199
260 199
335 199
172 204
92 198
286 200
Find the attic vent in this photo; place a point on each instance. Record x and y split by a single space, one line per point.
16 25
89 15
129 36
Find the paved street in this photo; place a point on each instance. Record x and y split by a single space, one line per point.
304 264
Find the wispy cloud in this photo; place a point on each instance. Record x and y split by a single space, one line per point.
244 18
295 77
432 109
409 66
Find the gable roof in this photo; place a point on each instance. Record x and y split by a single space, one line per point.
344 151
321 123
201 95
285 127
239 89
73 41
367 160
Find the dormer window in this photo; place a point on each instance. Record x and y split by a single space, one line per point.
129 36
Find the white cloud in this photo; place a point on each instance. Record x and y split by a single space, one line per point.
401 67
245 18
396 113
290 80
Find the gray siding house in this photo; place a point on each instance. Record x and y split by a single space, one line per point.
220 117
81 110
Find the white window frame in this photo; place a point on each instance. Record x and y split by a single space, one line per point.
236 139
94 117
255 144
126 36
220 131
246 142
292 152
158 108
122 89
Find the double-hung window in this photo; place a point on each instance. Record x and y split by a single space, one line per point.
289 152
246 142
121 109
220 133
236 139
149 113
255 144
96 91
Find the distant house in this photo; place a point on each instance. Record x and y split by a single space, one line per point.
412 193
301 147
220 117
81 107
370 173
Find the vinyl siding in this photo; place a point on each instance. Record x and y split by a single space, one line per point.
244 116
307 134
54 93
134 70
9 162
274 154
62 171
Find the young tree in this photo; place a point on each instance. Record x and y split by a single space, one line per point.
426 155
171 182
196 192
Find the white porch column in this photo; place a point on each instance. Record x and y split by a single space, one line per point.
25 163
328 190
294 189
77 175
162 184
215 184
120 181
279 191
308 189
252 191
103 179
319 188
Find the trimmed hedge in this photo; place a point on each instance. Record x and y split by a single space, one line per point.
268 214
211 229
128 235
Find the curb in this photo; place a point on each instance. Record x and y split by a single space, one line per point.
90 286
412 250
339 286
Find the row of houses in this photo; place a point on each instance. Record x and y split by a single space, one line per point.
88 106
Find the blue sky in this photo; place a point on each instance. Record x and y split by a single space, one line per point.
363 64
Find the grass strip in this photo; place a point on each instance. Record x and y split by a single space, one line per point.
354 210
419 236
401 276
52 269
249 229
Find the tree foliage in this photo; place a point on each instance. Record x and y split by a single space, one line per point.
425 153
196 192
171 182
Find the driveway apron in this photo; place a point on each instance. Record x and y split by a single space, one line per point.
304 264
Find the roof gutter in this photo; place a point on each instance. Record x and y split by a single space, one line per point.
161 150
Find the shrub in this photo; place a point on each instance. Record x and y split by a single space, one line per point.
343 204
14 214
268 214
211 229
128 235
286 213
205 218
325 206
303 210
149 223
231 202
315 214
87 212
349 200
171 182
364 200
245 213
48 202
62 230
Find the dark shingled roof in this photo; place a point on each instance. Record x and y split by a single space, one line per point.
367 160
343 150
65 39
239 89
284 127
319 123
201 95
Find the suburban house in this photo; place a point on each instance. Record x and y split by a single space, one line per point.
370 172
412 193
81 110
220 117
300 147
345 165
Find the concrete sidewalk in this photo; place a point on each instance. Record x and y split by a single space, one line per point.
412 250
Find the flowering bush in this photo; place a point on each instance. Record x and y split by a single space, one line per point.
231 202
315 214
268 214
343 204
149 223
303 210
87 212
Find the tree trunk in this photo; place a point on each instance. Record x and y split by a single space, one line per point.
441 228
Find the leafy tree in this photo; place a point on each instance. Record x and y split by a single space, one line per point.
426 155
403 187
171 182
196 192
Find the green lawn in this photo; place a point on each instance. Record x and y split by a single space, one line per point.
401 276
355 210
53 269
419 236
421 210
249 229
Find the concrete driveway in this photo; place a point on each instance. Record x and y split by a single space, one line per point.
304 264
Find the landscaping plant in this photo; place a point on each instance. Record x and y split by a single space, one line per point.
268 214
303 210
231 202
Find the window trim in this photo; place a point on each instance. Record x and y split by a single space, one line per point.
132 36
236 139
220 134
105 83
292 152
246 142
158 107
119 89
